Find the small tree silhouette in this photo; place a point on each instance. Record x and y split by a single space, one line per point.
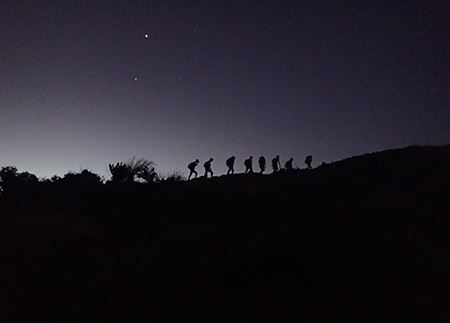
17 190
11 179
84 178
136 170
120 173
8 177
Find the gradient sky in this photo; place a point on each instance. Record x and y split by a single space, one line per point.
92 82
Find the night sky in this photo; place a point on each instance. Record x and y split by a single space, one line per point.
88 83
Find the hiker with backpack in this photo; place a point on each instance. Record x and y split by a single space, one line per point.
230 165
192 170
208 169
308 161
249 165
288 165
262 164
276 164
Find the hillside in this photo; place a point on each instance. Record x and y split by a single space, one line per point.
363 239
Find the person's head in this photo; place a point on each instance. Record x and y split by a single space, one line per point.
197 161
211 159
251 157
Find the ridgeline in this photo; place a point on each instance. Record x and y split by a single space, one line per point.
364 239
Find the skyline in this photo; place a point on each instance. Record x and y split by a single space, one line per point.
85 84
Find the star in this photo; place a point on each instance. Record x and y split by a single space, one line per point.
135 78
146 36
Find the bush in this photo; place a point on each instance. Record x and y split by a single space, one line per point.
136 170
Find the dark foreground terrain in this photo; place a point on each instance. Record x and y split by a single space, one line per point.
366 239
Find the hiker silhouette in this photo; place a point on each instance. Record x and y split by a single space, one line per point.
230 165
248 163
191 167
208 169
276 164
262 164
308 161
288 164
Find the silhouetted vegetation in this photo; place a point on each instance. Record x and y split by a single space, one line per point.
135 170
363 239
174 177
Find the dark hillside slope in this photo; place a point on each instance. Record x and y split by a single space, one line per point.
406 161
364 239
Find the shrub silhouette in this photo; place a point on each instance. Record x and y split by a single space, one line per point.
120 173
8 177
73 191
173 178
136 170
83 179
17 189
12 180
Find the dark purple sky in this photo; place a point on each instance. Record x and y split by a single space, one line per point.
82 86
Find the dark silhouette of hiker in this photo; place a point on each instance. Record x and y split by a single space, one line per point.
276 164
262 164
230 165
288 164
308 161
208 169
191 167
249 165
